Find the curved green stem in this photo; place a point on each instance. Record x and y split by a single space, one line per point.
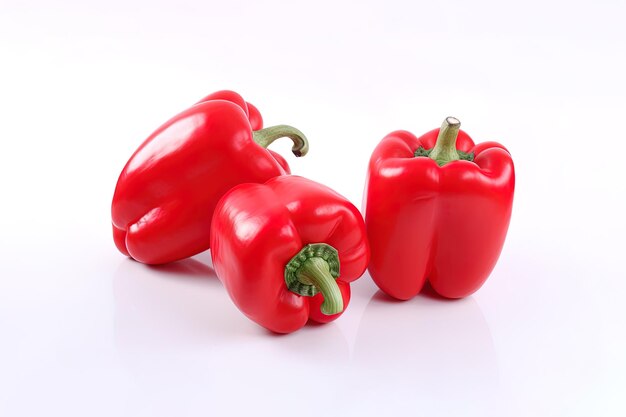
265 137
315 271
445 148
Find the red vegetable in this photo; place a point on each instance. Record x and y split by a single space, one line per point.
437 211
166 193
286 251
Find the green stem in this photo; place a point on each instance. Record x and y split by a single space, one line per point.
265 137
315 271
445 148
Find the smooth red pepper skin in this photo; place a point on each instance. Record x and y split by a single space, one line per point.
258 228
443 224
166 193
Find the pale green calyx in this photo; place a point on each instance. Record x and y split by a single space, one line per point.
315 269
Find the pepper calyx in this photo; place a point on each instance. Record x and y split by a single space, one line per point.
313 270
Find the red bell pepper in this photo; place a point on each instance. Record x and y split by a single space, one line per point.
287 250
166 193
437 208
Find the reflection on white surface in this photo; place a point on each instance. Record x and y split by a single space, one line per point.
184 304
179 320
425 349
166 306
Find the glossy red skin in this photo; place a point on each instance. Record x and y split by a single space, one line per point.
254 116
443 224
166 193
258 228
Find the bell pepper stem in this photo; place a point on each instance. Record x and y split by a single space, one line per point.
445 147
265 137
315 271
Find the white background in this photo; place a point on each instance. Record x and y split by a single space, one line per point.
84 331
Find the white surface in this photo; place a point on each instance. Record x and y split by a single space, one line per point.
84 331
